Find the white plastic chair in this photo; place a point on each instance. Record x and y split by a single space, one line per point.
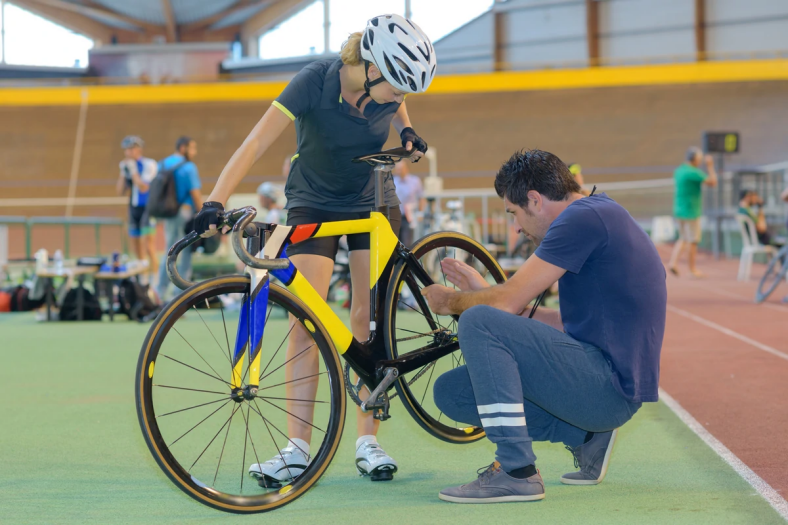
750 246
663 229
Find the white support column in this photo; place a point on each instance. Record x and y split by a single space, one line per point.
326 26
2 30
408 10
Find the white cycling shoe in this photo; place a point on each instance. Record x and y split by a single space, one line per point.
284 467
372 461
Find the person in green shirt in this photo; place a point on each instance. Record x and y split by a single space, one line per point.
688 205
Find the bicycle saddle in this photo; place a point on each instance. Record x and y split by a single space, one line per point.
388 157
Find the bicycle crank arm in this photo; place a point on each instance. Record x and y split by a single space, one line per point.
391 375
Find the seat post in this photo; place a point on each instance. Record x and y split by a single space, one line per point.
380 192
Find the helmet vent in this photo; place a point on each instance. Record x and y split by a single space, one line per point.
402 64
393 25
407 51
391 69
374 22
371 36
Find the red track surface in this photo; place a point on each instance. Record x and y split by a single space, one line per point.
737 390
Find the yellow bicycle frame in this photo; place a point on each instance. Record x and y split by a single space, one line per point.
383 241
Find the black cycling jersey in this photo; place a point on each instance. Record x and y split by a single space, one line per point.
330 132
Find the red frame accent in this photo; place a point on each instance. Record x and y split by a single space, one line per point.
303 232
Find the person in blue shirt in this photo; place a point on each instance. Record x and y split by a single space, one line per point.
136 174
187 188
571 376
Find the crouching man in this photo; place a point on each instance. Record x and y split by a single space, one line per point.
572 376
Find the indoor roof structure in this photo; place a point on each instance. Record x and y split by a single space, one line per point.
159 21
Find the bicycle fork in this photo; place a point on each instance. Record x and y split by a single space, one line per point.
249 337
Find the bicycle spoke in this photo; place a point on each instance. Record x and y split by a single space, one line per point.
294 380
192 407
221 454
283 364
277 350
251 440
191 389
269 422
274 441
292 399
196 369
194 307
243 459
429 380
200 423
227 338
196 352
293 415
211 441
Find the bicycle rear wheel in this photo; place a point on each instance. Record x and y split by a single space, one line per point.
775 273
411 325
203 434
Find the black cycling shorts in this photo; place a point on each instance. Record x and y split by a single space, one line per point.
139 222
328 246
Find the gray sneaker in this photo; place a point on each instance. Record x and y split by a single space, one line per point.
495 486
592 459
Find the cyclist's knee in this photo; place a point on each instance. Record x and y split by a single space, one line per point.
450 393
475 319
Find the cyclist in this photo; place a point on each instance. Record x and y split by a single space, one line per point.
342 108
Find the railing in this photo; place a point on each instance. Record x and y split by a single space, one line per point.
67 222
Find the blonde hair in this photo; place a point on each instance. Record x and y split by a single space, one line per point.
351 50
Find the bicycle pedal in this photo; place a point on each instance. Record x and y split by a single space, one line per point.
382 475
268 483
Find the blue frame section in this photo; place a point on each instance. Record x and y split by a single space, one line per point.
242 336
258 304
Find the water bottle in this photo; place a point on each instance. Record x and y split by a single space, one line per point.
42 260
58 258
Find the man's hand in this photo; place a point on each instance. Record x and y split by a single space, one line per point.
438 298
709 160
463 275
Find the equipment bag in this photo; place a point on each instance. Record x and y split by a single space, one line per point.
162 194
91 310
135 301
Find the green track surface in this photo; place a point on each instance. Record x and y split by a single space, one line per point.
71 451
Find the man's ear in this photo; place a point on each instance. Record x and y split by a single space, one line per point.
535 200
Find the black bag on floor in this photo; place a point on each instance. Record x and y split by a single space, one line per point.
91 310
21 299
135 301
162 195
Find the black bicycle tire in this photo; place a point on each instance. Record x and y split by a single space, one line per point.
145 413
412 405
760 294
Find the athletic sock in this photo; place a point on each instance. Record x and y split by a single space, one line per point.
589 436
523 472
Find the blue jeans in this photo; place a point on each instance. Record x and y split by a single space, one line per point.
525 381
173 232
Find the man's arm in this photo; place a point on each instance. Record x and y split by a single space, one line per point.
784 195
120 186
711 180
547 316
196 195
513 296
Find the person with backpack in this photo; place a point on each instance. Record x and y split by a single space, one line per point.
136 174
180 166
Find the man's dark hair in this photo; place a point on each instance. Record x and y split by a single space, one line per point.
743 194
535 170
181 142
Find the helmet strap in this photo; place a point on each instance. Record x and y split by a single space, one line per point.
368 84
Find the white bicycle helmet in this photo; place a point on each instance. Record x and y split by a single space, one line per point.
401 51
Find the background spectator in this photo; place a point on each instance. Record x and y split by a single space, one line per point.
688 205
576 170
136 173
270 211
751 205
411 197
187 185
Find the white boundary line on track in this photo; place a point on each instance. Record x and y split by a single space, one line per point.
774 499
728 331
725 293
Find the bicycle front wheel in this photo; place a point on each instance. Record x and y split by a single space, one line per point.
775 273
204 434
411 326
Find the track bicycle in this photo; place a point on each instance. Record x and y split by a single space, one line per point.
776 272
217 383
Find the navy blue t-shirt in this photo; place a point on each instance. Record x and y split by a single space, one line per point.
613 294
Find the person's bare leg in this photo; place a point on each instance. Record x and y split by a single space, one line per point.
317 270
136 245
366 424
674 257
693 252
153 258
